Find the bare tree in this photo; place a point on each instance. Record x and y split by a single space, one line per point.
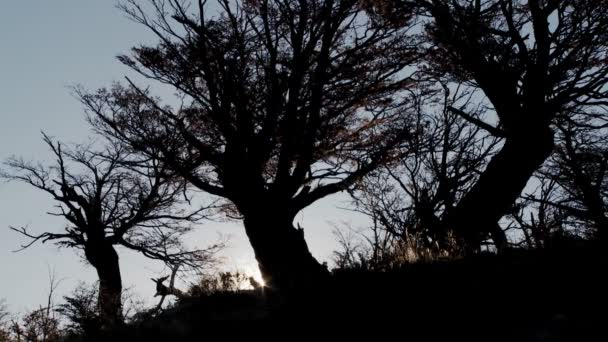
283 102
580 170
4 314
535 216
412 198
4 322
220 282
352 253
80 310
110 198
535 61
42 324
577 175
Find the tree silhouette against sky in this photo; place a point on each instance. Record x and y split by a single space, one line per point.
536 62
112 198
282 103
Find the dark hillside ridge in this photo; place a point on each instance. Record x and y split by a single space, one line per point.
556 294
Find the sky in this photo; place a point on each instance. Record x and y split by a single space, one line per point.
47 47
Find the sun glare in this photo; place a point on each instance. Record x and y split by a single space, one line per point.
253 271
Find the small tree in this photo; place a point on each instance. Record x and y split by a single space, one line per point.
42 324
283 102
111 198
81 311
537 217
4 323
221 282
38 325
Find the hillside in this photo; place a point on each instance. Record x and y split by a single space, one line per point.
551 295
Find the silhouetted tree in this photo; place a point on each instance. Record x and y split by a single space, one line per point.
42 324
536 215
412 198
220 282
111 198
534 61
38 325
352 253
4 320
282 103
582 158
80 310
370 248
577 174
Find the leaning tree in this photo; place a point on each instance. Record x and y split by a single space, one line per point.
412 197
577 172
112 198
535 61
281 103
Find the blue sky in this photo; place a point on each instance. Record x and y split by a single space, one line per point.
47 46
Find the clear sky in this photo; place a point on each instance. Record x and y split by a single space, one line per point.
47 46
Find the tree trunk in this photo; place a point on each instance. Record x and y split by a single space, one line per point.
104 258
594 202
281 250
499 186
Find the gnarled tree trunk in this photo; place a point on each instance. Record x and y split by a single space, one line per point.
104 258
280 249
499 186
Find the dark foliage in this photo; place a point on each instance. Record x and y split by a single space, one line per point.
110 197
281 104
